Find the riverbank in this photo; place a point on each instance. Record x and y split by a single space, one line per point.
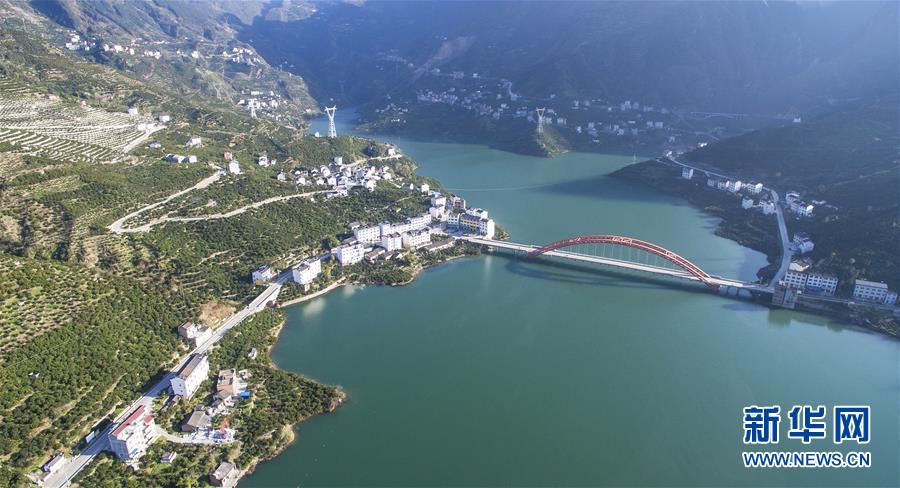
752 229
748 228
301 299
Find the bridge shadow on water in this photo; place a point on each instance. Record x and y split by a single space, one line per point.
586 274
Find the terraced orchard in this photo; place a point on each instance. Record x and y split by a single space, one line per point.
39 296
44 125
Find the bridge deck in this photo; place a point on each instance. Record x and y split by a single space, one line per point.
647 268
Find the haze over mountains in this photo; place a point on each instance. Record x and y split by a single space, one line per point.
723 56
753 57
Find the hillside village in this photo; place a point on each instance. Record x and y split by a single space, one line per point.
584 122
250 82
802 276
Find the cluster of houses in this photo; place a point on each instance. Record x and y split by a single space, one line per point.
619 120
389 240
340 177
797 205
497 100
131 438
76 43
800 278
136 47
259 101
752 193
192 142
149 123
242 55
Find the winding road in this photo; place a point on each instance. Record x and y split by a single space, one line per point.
118 227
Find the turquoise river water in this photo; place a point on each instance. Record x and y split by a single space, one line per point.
492 371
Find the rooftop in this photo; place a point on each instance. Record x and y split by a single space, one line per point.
223 470
191 365
130 420
873 284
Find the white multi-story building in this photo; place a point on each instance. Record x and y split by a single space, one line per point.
827 283
53 465
189 377
890 297
349 254
419 221
801 208
478 212
234 167
753 188
369 234
416 238
487 228
870 291
438 213
438 200
129 441
795 279
263 274
373 234
392 242
687 173
473 223
196 334
307 271
734 186
424 188
746 203
767 207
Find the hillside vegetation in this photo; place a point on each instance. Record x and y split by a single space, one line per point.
848 158
88 317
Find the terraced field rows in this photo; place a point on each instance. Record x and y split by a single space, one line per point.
47 127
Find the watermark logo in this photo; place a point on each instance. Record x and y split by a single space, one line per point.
851 423
807 423
761 424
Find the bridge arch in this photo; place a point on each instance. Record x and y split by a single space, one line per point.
631 242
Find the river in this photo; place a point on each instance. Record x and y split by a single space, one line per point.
492 371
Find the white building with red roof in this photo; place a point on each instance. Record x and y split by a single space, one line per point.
130 439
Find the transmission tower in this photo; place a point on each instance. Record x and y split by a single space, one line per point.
332 130
540 114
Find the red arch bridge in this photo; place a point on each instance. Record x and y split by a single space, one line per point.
626 253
